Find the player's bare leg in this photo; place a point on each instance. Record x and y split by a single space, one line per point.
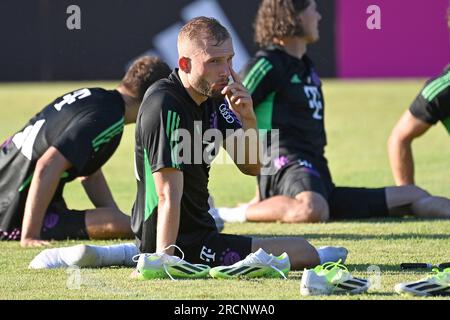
403 200
431 207
305 207
108 223
301 253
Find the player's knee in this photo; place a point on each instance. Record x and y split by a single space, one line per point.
309 208
415 193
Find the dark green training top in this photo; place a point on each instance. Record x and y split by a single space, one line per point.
85 125
171 133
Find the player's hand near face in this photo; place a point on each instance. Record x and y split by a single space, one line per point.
240 99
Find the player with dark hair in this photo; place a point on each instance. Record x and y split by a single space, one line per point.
72 137
288 99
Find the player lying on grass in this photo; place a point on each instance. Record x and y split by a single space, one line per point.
288 99
429 107
171 206
70 138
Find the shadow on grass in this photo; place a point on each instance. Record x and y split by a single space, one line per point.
348 236
387 220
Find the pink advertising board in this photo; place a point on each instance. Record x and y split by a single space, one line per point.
413 40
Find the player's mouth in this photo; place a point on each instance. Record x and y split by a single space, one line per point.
219 85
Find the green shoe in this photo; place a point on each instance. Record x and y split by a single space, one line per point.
437 284
255 265
331 278
161 266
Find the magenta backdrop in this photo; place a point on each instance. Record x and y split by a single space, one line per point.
413 41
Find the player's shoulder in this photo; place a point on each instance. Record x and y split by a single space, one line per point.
94 96
438 86
268 59
163 94
444 76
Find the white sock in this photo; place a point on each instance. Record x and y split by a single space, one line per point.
236 214
85 256
116 255
332 254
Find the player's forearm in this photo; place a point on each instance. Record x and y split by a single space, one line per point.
402 162
250 141
168 225
42 189
98 191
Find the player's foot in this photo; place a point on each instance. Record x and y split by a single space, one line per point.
331 278
80 255
161 266
332 254
437 284
85 256
255 265
237 214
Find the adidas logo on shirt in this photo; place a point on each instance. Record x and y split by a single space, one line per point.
295 79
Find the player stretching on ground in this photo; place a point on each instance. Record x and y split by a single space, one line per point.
287 95
71 137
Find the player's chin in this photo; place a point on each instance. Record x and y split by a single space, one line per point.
218 87
313 38
216 94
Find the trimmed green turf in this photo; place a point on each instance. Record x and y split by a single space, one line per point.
359 117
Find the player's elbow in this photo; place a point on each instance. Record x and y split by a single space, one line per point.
398 140
44 166
169 200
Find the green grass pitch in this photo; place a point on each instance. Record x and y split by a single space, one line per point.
359 118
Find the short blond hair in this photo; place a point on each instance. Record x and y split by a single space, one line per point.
203 28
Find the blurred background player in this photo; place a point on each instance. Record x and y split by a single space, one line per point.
287 96
430 106
71 137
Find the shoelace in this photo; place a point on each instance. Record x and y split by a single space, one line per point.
252 258
162 256
441 275
327 267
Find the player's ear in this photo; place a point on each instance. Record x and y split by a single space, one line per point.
185 64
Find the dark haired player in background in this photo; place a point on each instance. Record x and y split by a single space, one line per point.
71 137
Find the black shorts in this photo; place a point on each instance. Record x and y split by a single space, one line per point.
215 249
343 202
61 223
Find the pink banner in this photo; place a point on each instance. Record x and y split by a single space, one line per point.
414 39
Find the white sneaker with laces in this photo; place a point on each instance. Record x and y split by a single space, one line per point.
437 284
160 265
255 265
331 278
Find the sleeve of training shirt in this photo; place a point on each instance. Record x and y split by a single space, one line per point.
433 102
158 123
86 134
261 78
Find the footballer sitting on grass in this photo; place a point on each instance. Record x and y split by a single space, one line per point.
171 207
287 94
72 137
